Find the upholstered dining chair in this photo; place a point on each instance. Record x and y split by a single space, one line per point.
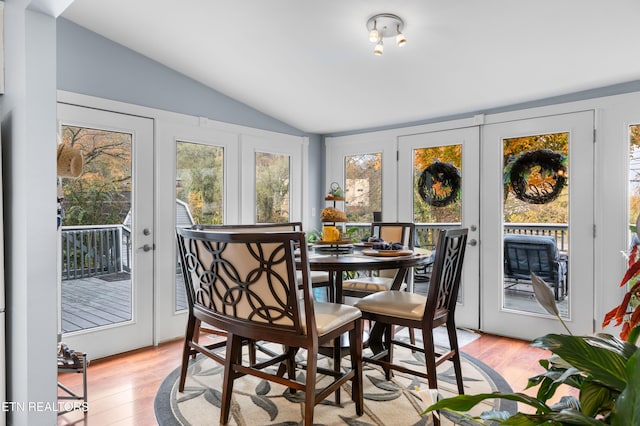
245 284
401 308
390 232
318 278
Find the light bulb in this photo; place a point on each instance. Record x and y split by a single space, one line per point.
401 40
374 35
379 48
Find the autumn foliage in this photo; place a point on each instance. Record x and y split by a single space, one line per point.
627 313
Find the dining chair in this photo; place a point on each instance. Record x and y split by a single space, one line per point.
245 283
390 232
318 279
405 309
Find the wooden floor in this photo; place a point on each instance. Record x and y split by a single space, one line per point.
122 388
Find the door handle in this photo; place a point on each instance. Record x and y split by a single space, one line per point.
147 247
472 242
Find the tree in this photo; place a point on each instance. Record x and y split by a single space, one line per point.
200 180
101 195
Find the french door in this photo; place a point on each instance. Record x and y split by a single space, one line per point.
107 232
538 187
438 187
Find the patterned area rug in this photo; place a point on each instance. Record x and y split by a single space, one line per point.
257 402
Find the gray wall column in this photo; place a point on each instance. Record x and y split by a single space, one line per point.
29 150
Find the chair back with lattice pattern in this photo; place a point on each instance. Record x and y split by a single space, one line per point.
245 282
446 276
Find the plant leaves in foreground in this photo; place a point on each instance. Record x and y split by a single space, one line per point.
603 365
466 402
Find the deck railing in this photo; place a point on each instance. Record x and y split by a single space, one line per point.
427 233
89 251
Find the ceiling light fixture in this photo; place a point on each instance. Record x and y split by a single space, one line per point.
385 25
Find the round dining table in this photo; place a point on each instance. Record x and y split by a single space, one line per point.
365 260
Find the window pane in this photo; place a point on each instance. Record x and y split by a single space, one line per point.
272 187
437 182
363 192
199 183
96 231
536 219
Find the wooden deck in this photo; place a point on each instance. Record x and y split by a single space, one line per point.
99 301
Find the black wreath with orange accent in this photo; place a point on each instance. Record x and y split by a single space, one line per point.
439 184
552 167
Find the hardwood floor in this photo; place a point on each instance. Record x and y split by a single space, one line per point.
122 388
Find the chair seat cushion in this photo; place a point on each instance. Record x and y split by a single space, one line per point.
400 304
317 277
330 316
369 284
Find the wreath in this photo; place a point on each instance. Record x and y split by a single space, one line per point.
552 171
439 184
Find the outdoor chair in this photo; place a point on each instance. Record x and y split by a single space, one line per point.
245 284
405 309
390 232
539 254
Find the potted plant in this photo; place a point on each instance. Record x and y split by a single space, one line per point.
604 369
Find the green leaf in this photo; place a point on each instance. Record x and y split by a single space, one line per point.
544 295
603 365
634 334
564 417
627 408
593 397
466 402
612 343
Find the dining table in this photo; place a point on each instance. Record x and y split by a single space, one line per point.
364 258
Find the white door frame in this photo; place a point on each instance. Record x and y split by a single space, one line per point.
169 322
121 337
505 322
467 311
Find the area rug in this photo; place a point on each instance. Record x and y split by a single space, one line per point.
257 402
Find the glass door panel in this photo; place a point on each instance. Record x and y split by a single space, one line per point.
536 219
438 189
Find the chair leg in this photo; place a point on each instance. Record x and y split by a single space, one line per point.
457 368
388 333
337 357
291 365
186 350
355 344
310 385
233 357
430 361
251 345
196 333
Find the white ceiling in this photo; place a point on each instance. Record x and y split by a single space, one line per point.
310 63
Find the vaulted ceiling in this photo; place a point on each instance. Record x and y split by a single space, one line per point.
310 63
